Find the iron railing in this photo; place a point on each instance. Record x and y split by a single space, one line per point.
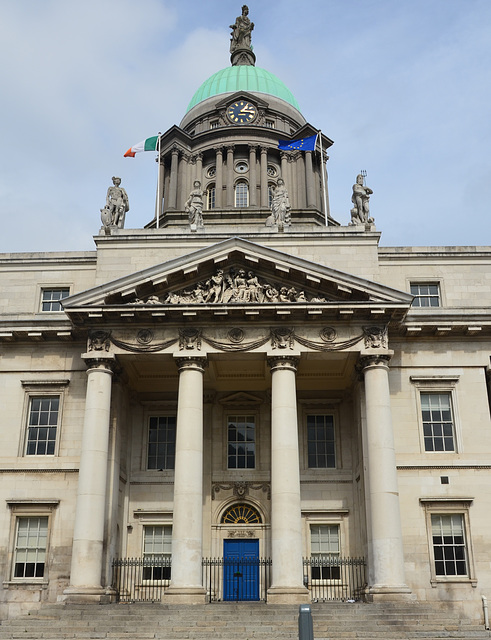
141 579
236 579
330 578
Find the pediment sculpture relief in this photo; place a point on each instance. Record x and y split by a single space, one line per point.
235 286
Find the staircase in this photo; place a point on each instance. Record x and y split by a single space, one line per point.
244 621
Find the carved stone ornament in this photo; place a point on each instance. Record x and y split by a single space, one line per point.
98 340
144 336
190 339
240 489
376 337
237 286
243 533
328 334
282 338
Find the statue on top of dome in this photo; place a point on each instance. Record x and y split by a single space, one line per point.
241 31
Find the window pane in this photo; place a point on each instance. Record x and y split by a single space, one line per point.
51 299
241 442
449 545
437 419
43 411
320 441
161 442
30 547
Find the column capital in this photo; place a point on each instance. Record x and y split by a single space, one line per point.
283 363
218 150
253 148
230 148
194 363
264 149
103 362
369 360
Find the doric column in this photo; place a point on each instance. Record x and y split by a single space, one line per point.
174 166
230 175
187 528
253 177
219 178
90 511
385 552
286 518
264 177
309 178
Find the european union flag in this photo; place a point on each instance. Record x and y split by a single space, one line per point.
304 144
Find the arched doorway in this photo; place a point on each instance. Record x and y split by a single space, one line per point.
241 562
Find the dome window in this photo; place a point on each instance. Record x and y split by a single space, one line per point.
211 172
242 194
242 167
210 196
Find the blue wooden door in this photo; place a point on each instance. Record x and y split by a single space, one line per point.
241 569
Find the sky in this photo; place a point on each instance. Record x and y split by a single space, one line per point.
402 87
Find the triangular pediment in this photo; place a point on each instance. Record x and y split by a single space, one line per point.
239 274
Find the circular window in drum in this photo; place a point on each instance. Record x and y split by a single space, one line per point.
241 514
271 171
241 167
211 173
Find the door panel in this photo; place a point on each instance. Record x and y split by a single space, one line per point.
241 569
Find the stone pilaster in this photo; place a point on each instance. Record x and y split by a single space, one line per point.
219 178
173 178
385 551
187 530
230 175
286 518
264 178
253 177
90 513
309 177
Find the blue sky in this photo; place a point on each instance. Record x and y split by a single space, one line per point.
401 86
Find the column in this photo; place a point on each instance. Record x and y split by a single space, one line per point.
264 178
90 512
187 529
199 167
385 551
230 176
159 206
219 178
286 518
253 176
309 177
301 188
173 178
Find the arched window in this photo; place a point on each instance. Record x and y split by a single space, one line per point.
211 195
241 514
241 194
271 188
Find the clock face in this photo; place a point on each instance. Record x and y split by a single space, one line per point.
241 112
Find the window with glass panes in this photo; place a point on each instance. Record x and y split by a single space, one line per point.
324 549
157 550
30 547
438 423
51 299
427 294
449 548
241 194
161 442
42 425
211 195
320 442
241 442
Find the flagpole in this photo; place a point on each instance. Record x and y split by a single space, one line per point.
324 192
159 195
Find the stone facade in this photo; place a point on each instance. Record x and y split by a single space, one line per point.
336 389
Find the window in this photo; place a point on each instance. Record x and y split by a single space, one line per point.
51 299
211 196
270 124
157 550
438 424
427 294
449 548
30 547
241 194
161 442
214 124
324 548
241 442
42 425
320 442
271 188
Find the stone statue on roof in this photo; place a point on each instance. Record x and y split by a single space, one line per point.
116 207
194 206
360 213
241 31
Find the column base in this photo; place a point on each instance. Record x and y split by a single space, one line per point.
184 595
89 595
288 595
388 593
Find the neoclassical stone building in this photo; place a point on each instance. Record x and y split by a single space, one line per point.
245 378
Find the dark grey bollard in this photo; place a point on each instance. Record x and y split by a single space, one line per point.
305 623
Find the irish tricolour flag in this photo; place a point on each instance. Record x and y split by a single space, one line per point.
150 144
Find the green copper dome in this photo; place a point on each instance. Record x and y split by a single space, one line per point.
243 78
